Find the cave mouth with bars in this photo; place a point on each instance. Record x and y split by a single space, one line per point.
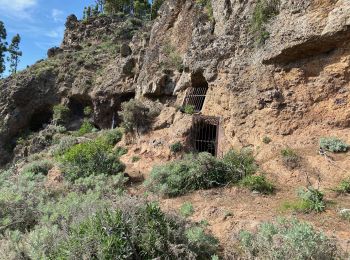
196 94
205 133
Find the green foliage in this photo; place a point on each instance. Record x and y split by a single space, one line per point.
202 171
240 164
61 114
139 8
136 116
176 147
334 145
144 232
267 140
187 209
38 167
85 128
257 183
206 4
156 4
90 158
135 159
189 109
15 53
264 11
343 187
63 145
88 111
3 47
111 137
310 199
201 241
172 59
287 239
290 158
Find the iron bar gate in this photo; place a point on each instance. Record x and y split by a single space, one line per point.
195 97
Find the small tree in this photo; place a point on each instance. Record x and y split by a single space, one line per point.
156 4
3 48
15 53
136 116
100 5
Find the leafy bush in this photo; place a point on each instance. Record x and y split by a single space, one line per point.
287 239
343 187
187 209
64 144
310 199
38 167
202 171
334 145
189 109
144 232
88 111
264 11
90 158
111 137
290 158
173 59
61 114
257 183
201 241
136 116
85 128
176 147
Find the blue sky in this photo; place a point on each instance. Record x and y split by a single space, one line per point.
39 22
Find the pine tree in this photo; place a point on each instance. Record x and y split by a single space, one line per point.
3 47
84 13
15 53
100 5
156 4
95 10
88 12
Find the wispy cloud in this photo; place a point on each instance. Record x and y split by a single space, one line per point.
57 15
17 8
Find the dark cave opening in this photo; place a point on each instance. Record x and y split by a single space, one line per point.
77 104
40 118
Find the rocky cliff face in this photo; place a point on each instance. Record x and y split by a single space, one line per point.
298 81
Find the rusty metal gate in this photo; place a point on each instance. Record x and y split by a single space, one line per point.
205 133
195 97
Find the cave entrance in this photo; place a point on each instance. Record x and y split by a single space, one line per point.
40 118
77 104
205 134
196 94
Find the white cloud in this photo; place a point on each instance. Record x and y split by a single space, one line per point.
57 15
17 8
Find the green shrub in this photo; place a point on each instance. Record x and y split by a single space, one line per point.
208 8
189 109
176 147
136 116
111 137
202 171
88 111
61 114
90 158
333 145
142 232
187 209
290 158
257 183
264 11
64 144
240 164
201 241
173 59
85 128
310 199
135 159
267 140
287 239
38 167
343 187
